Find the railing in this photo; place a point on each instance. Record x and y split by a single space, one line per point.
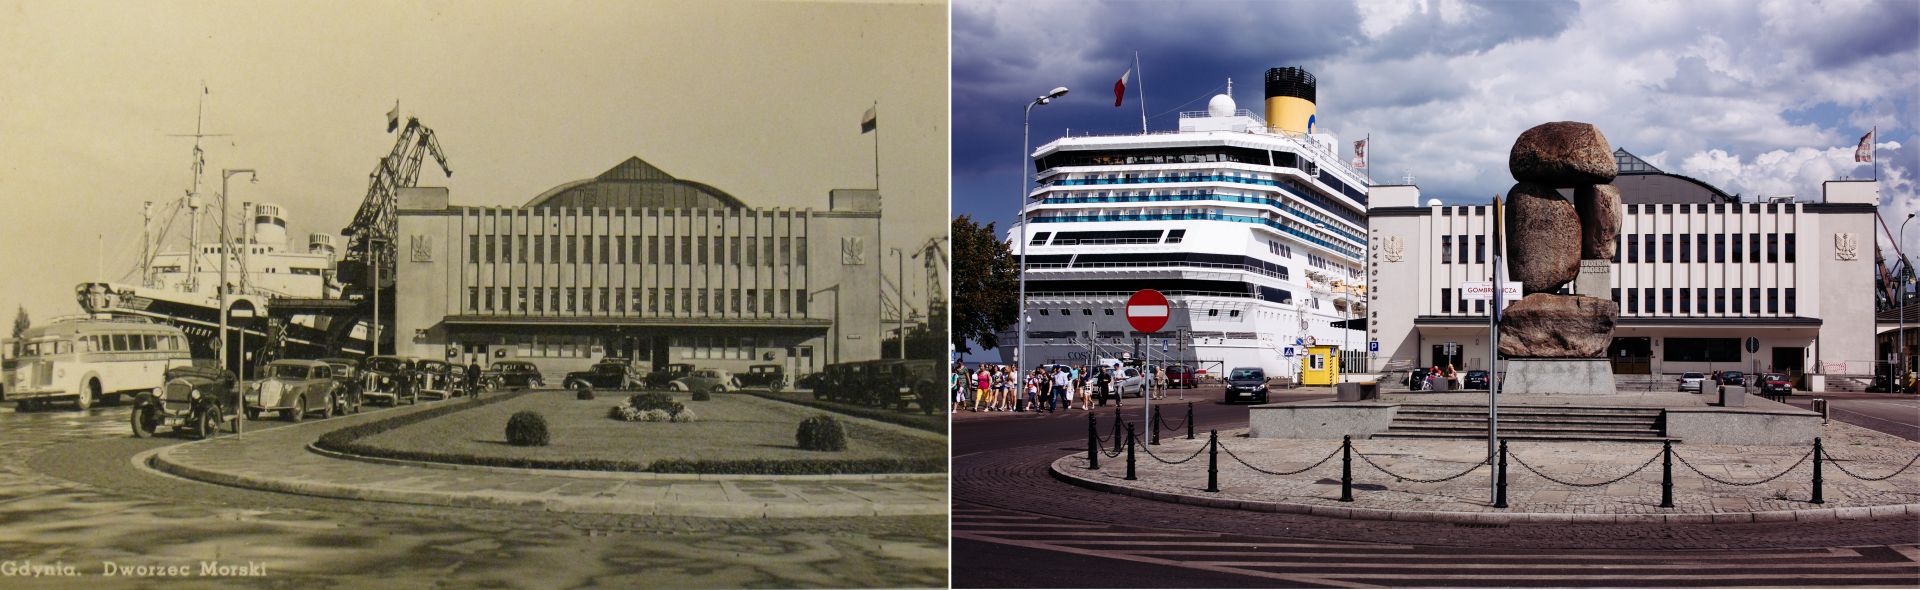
1099 242
1340 248
1300 140
1125 294
1212 265
1205 196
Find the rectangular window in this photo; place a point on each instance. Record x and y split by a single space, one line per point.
1666 300
1792 309
539 298
1463 260
1720 300
799 301
686 300
1616 295
493 243
703 308
1790 249
506 248
473 299
767 256
1647 294
669 296
1633 248
554 298
1480 249
753 251
1666 248
1753 299
521 257
719 250
1773 248
520 303
1738 306
686 249
733 249
734 296
638 245
769 295
1446 251
573 249
1753 247
753 301
1479 306
606 250
1773 300
1652 254
1700 300
1686 249
1633 301
1686 300
605 305
786 251
1719 248
1739 249
653 300
489 306
800 251
1701 350
1700 246
539 249
553 254
702 257
573 299
1446 300
473 248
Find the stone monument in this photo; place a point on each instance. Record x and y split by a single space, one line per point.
1554 343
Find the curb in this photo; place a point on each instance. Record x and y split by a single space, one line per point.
623 475
1895 511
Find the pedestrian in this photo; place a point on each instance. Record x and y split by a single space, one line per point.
982 386
473 377
954 391
1009 380
1059 389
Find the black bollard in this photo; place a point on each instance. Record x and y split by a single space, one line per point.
1666 474
1130 476
1817 499
1346 468
1093 443
1189 420
1500 482
1213 461
1154 425
1116 430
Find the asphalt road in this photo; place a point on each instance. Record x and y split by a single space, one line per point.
1897 414
71 494
1015 526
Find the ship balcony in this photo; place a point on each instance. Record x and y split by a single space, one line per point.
1187 270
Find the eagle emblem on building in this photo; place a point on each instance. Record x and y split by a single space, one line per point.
1395 249
1846 246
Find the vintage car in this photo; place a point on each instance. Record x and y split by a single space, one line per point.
606 374
518 374
772 377
294 389
913 381
197 398
659 378
439 380
347 372
387 379
809 381
708 380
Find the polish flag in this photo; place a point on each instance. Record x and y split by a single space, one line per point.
1864 152
1120 88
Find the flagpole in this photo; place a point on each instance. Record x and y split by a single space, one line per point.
1142 91
876 146
1873 151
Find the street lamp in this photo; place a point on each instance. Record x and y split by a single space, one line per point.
1026 128
900 297
226 252
1900 309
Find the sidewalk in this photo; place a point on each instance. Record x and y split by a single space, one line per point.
1531 497
279 460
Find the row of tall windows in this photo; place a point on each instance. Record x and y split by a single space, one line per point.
1702 300
1694 248
1447 301
752 251
1448 244
696 300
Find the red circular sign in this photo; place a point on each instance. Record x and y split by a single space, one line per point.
1147 310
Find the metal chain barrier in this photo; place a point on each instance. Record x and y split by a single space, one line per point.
1237 458
1523 463
1796 464
1843 468
1396 476
1196 453
1165 428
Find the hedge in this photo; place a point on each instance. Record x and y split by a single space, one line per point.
936 423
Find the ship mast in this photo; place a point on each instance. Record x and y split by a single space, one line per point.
193 194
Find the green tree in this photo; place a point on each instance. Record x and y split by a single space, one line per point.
986 281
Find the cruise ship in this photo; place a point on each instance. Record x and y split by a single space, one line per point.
1253 227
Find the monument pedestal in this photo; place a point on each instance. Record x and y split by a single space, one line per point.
1591 376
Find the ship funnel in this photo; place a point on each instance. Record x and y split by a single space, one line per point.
1291 92
269 225
321 243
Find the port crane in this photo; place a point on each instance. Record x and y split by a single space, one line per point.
370 244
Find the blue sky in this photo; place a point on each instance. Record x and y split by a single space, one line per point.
1760 98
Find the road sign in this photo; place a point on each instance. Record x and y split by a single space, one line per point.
1147 310
1373 346
1298 341
1288 352
1483 290
1753 344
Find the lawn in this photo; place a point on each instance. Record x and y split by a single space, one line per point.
731 428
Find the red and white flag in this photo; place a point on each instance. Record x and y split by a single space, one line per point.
1360 154
1864 153
1120 88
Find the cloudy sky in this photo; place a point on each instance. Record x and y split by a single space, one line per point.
761 99
1762 98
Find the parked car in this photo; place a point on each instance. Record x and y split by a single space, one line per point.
1775 384
1128 381
388 379
1477 379
197 398
347 373
607 374
772 377
1733 378
1691 381
439 380
1246 384
518 374
708 380
294 388
809 381
1181 376
900 383
659 378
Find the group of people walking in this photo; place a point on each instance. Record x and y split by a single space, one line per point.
1000 388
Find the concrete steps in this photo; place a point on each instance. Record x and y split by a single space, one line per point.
1544 423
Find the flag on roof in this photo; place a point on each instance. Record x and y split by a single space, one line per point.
870 121
1120 88
1864 152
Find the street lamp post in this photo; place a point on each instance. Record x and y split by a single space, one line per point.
1026 128
226 252
1900 309
900 297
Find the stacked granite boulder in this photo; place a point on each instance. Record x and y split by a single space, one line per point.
1548 235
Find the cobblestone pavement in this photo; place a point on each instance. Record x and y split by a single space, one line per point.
70 495
1396 475
1002 478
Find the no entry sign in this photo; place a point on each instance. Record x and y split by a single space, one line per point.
1147 310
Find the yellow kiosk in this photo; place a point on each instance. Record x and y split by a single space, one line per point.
1321 367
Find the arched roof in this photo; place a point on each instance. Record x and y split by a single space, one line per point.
635 184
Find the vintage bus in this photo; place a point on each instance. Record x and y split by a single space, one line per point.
91 360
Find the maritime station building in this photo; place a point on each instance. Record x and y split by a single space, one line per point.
1704 280
637 264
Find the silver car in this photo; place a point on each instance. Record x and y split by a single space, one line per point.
708 380
1129 381
1692 381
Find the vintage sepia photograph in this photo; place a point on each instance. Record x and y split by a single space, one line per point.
474 294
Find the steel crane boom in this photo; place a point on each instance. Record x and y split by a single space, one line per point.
374 225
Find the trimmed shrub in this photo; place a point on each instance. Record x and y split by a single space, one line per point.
685 416
583 394
655 400
655 415
822 433
527 429
702 395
